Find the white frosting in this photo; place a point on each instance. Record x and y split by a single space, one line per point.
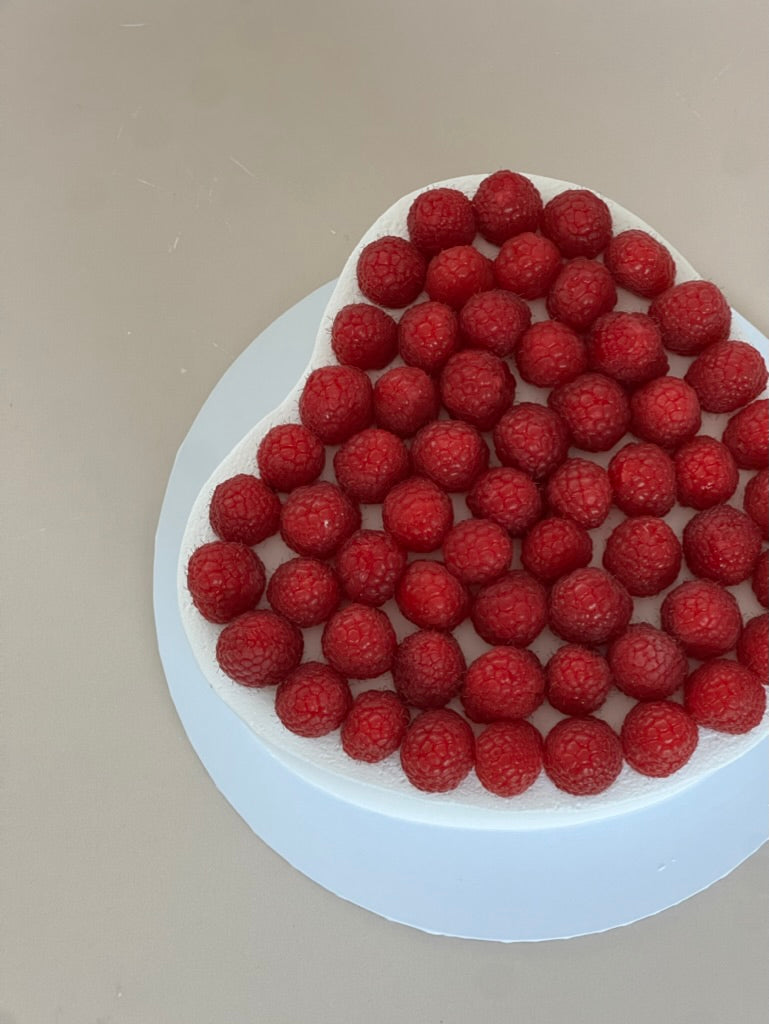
383 787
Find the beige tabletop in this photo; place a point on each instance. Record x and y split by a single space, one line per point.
175 174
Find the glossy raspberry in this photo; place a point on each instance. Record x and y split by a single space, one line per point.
224 579
640 263
506 204
438 751
583 756
644 554
451 453
440 218
706 473
428 669
336 402
760 580
313 700
317 519
405 399
532 438
244 509
369 565
305 591
578 680
259 649
428 334
477 551
504 683
643 480
753 647
550 354
375 726
692 316
582 291
727 376
430 597
595 410
721 544
417 514
580 490
476 387
512 610
494 321
554 547
703 617
756 501
658 738
589 607
747 435
665 411
455 274
627 347
508 757
370 463
364 336
647 664
725 696
527 265
359 642
578 221
391 272
508 497
290 456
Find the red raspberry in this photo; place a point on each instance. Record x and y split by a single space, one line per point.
451 453
316 519
725 696
554 547
495 321
508 497
430 597
703 617
706 473
370 463
456 274
527 265
692 316
259 649
364 336
658 738
391 272
722 544
428 334
747 435
589 607
753 647
580 490
290 456
313 700
760 581
727 375
578 680
506 204
476 387
665 411
336 402
511 611
417 514
595 409
477 551
578 222
640 263
756 500
627 347
508 757
438 751
440 218
405 398
224 579
503 683
647 663
532 438
549 354
643 480
304 591
244 509
359 642
582 292
375 726
369 565
583 756
428 669
644 554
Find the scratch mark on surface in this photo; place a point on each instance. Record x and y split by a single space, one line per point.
246 170
119 132
183 369
332 231
173 245
149 184
228 225
723 70
136 112
134 24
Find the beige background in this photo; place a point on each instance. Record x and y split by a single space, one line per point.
175 174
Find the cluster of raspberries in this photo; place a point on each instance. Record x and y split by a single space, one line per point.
421 407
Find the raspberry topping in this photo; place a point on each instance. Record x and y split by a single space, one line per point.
658 738
417 514
753 647
595 410
578 680
512 610
451 453
438 751
589 607
644 554
727 376
476 387
640 263
430 597
370 463
259 649
317 519
244 509
532 438
554 547
370 564
477 551
580 490
527 265
224 579
722 544
506 204
647 664
550 354
494 321
643 480
405 399
508 497
336 403
313 700
747 435
455 274
375 726
428 334
428 669
756 500
304 591
583 756
627 347
364 336
391 272
703 617
578 222
508 757
726 696
692 316
440 218
359 642
290 456
666 412
503 683
706 473
582 291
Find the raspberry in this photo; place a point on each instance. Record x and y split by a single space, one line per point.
549 354
405 399
578 680
440 218
451 453
725 696
582 291
532 438
703 617
244 509
627 347
503 683
643 480
644 554
224 579
455 274
508 757
336 403
692 316
506 204
760 580
580 490
595 409
316 519
508 497
756 500
721 544
259 649
304 591
430 597
313 700
438 751
554 547
589 607
640 263
476 387
369 565
512 610
359 642
391 272
290 456
527 265
747 435
364 336
583 756
753 647
706 473
428 669
428 334
417 514
647 664
494 321
658 738
375 726
370 463
665 411
578 222
477 551
727 375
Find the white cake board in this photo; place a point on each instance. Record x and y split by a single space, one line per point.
496 885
